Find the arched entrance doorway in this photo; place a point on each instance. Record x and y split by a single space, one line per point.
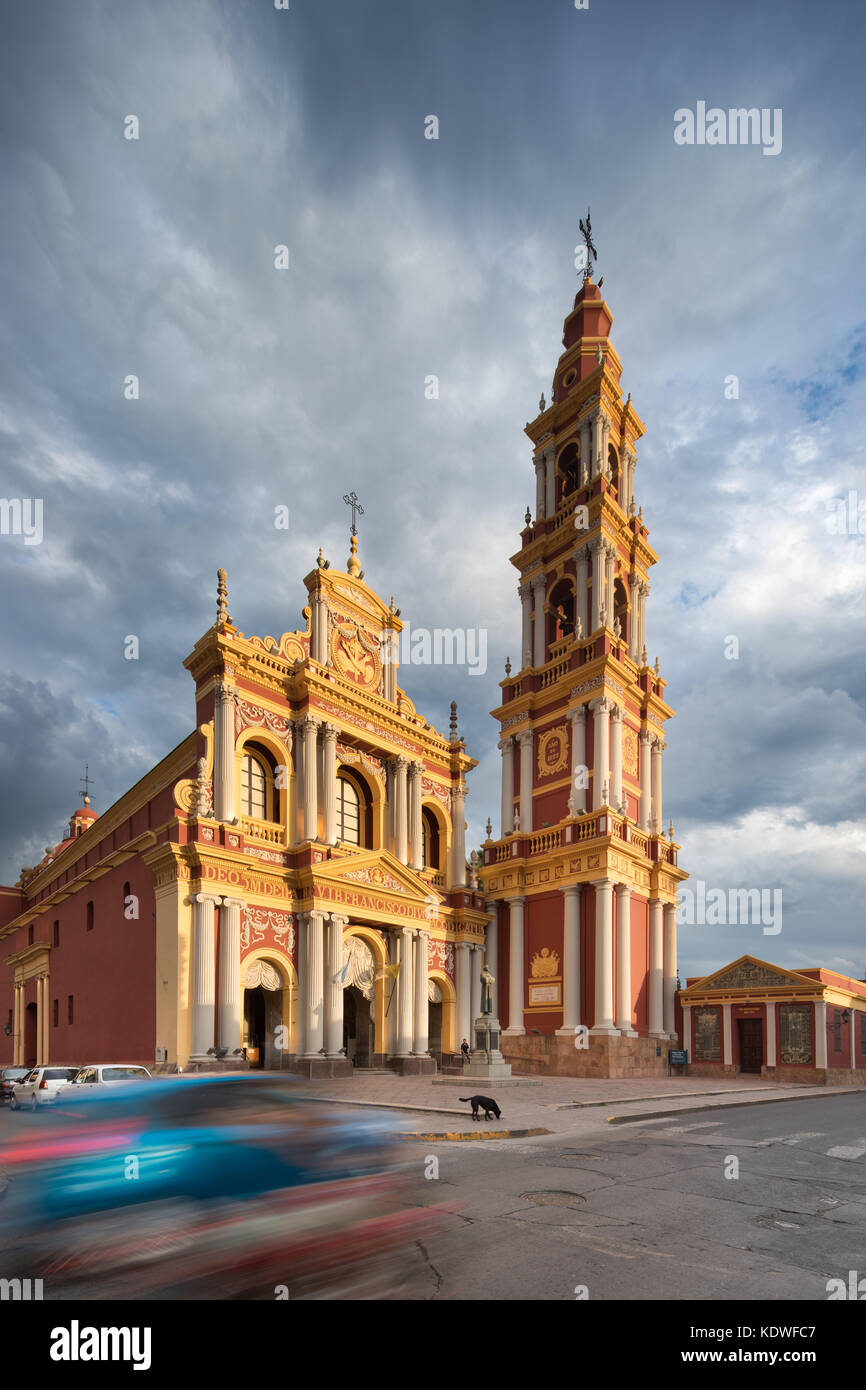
357 1027
266 1015
434 1022
30 1027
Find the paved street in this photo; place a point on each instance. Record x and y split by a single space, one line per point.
644 1211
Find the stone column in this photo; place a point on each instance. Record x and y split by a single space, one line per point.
610 572
401 827
727 1049
392 995
688 1040
540 486
656 970
405 995
312 988
458 835
596 422
570 961
550 489
229 1011
329 780
416 829
525 592
623 960
421 1044
491 953
771 1032
516 969
474 987
390 806
525 741
202 974
310 727
616 757
601 709
644 593
224 752
656 781
334 986
581 593
597 550
585 449
670 969
578 758
464 998
645 779
506 746
40 1021
605 442
539 585
634 619
604 957
821 1034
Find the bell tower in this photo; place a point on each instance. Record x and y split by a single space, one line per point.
583 880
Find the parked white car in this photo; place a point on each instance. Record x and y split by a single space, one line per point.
102 1074
40 1087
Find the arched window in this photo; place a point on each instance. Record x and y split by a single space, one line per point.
569 470
613 468
431 839
254 787
348 812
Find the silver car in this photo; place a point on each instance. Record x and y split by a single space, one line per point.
40 1087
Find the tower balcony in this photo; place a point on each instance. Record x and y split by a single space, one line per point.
597 827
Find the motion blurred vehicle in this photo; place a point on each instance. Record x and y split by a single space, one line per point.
40 1087
8 1077
105 1074
216 1186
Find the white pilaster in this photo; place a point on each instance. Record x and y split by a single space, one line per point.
550 482
540 486
474 984
670 969
601 709
202 975
312 990
727 1049
570 961
225 700
525 741
578 759
329 781
525 592
516 968
491 953
229 1012
688 1037
464 997
421 1044
585 450
616 757
539 585
581 595
604 957
623 960
597 550
40 1021
405 994
634 618
645 779
596 422
392 994
656 777
771 1033
401 816
416 829
506 746
610 571
656 970
458 835
333 986
310 727
821 1034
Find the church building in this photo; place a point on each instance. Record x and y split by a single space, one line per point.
581 884
286 889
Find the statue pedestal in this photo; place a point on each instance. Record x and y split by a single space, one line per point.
486 1061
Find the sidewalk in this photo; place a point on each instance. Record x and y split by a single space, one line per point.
556 1103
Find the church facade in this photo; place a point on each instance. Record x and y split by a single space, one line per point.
287 888
581 884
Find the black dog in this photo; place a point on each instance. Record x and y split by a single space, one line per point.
482 1103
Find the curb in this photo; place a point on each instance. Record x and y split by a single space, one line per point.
728 1105
456 1136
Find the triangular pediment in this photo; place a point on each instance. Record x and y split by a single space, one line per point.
377 869
749 973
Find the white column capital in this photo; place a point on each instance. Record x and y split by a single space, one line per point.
578 716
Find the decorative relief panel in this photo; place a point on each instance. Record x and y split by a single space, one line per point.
629 752
795 1033
257 921
553 751
748 974
708 1035
247 714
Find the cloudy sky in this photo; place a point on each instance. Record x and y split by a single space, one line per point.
454 257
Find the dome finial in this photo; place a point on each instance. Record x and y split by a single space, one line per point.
222 599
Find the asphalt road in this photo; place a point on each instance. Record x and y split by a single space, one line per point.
646 1211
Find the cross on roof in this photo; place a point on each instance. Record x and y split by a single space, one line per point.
351 500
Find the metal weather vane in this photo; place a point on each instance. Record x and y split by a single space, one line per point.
88 782
591 253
